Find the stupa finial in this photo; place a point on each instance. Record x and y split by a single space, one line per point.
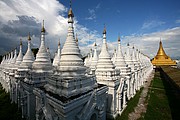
29 37
43 29
104 31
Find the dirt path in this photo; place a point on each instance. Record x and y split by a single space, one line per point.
141 106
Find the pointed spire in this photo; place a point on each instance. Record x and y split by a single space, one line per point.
57 57
70 54
59 42
42 62
43 29
104 62
20 41
95 44
13 61
29 37
70 13
28 58
94 59
119 39
120 61
104 31
20 55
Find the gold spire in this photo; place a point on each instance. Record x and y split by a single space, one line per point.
43 29
29 37
161 50
70 13
104 31
161 58
20 41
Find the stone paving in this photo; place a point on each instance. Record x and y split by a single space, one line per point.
142 105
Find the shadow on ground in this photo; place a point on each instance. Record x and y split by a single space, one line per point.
173 94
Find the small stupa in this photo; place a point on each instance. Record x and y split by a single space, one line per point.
161 58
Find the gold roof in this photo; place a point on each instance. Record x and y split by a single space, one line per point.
29 37
161 50
161 58
43 29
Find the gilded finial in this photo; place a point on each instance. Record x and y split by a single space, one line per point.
43 29
95 44
70 13
104 31
70 3
29 37
20 41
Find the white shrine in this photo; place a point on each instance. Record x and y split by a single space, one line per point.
70 88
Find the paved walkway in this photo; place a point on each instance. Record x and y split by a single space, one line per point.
141 106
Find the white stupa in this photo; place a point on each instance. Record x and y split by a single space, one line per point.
94 59
114 56
19 58
71 64
28 58
42 62
57 57
128 58
106 74
104 64
69 78
13 65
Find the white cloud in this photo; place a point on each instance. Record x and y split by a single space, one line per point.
52 11
177 21
149 43
92 12
152 24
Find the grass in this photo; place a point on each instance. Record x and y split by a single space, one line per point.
132 103
163 103
8 110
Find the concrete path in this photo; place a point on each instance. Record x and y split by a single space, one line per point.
141 106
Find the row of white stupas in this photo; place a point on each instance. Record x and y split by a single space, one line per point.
68 89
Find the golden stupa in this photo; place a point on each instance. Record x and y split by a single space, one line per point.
161 58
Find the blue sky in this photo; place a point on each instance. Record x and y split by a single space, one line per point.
127 16
140 22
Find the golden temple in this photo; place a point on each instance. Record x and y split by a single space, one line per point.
161 58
